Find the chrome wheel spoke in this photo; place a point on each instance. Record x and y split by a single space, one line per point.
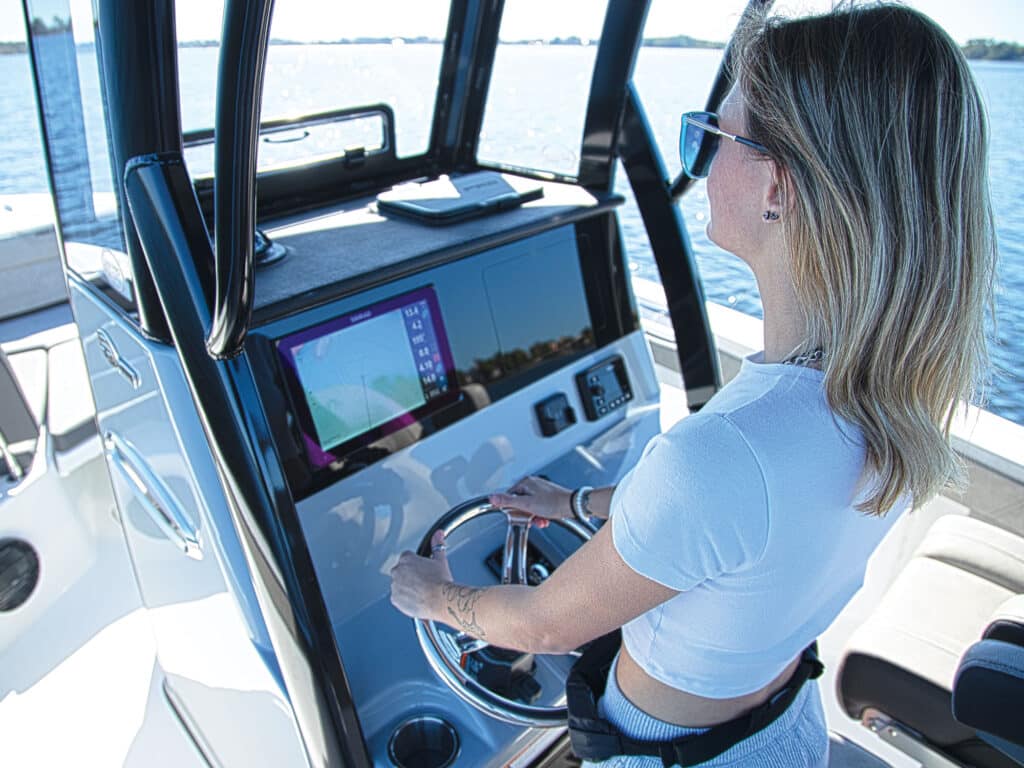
513 558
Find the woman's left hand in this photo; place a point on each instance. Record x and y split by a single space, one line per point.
416 582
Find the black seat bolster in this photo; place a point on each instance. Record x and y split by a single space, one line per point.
988 692
1006 631
871 682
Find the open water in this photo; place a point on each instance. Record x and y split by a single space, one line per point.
535 118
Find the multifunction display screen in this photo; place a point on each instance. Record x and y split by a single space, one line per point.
369 373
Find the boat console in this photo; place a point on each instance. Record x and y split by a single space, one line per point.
429 368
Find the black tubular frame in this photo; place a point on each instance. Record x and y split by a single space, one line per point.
174 246
472 43
613 68
243 57
170 226
673 255
143 39
616 126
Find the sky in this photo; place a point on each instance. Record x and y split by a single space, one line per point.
524 19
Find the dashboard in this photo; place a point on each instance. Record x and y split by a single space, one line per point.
352 381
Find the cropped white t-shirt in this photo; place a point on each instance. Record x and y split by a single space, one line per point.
746 508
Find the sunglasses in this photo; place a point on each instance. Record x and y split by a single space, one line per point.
699 137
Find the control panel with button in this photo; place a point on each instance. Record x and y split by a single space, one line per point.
604 387
555 414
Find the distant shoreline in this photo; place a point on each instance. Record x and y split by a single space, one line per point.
658 42
993 50
974 50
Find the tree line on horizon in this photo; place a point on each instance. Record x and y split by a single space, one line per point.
993 50
986 49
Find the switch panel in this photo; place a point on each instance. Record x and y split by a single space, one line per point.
604 387
555 414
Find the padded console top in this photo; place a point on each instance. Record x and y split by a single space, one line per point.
355 241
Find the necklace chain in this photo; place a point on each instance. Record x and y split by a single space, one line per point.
805 358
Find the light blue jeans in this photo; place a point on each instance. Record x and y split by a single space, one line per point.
797 739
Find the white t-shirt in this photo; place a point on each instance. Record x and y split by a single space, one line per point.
747 508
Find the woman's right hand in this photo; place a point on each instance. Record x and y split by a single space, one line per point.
536 496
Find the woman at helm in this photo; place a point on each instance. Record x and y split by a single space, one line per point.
847 168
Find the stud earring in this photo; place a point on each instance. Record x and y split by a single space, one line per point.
770 216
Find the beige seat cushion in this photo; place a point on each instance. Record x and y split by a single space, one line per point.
977 547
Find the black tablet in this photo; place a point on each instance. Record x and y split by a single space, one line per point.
449 199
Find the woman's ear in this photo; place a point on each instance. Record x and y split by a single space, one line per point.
779 193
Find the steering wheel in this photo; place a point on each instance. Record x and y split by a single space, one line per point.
445 649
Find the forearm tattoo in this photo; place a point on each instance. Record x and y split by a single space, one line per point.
461 605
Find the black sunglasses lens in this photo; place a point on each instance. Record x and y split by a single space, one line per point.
697 146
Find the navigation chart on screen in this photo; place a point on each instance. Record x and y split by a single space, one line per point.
371 368
359 378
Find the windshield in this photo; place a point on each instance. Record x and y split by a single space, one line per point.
537 101
323 57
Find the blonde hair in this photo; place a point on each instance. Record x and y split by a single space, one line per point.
877 124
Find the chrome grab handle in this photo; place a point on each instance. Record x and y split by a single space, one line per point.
276 139
118 363
155 497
